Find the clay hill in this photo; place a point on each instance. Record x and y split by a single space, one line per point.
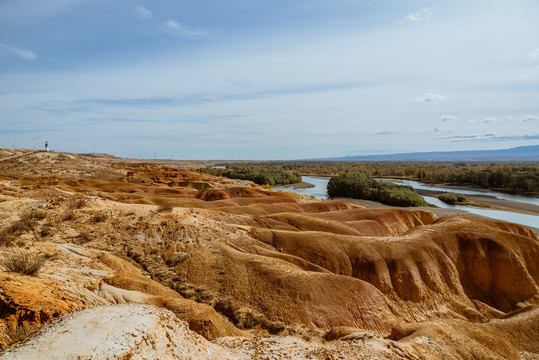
153 261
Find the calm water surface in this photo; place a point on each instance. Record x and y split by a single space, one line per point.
498 195
320 184
318 191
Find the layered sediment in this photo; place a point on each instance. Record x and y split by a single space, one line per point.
235 261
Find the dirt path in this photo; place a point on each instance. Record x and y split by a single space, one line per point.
20 155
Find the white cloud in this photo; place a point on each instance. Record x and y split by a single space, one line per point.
174 25
208 98
529 118
184 30
420 15
448 118
430 97
491 136
143 13
534 55
24 54
489 120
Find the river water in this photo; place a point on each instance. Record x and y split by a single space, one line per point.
498 195
320 184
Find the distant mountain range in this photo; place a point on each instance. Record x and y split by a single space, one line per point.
521 153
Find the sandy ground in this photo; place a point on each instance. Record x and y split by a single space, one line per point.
301 185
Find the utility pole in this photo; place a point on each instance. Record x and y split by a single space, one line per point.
35 141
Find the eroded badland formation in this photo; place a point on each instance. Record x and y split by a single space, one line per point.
233 271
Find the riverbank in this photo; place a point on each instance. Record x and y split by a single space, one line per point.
296 186
457 188
494 203
440 212
507 209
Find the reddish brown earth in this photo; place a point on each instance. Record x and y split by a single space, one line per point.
232 259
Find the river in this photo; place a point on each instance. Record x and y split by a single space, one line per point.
421 186
320 184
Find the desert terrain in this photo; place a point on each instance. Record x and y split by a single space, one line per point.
152 260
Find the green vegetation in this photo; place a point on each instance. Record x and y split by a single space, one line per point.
452 198
362 186
397 195
262 175
354 185
509 177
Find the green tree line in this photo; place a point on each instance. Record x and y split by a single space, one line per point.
509 177
261 175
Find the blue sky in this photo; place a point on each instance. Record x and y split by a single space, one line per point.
253 79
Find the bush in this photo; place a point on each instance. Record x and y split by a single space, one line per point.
452 198
77 203
362 186
99 217
21 226
33 215
6 237
27 222
46 230
397 195
165 208
84 237
17 334
22 262
354 185
262 175
68 215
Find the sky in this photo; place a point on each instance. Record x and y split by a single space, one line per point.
268 79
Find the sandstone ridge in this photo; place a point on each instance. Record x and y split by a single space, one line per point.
234 260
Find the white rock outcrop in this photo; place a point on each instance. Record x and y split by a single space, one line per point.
128 331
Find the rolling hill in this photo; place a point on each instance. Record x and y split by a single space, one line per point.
521 153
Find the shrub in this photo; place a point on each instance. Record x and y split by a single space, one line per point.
262 175
354 185
226 307
69 215
99 217
84 237
452 198
33 215
77 203
362 186
6 237
46 230
27 221
165 208
23 262
20 226
397 195
17 334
